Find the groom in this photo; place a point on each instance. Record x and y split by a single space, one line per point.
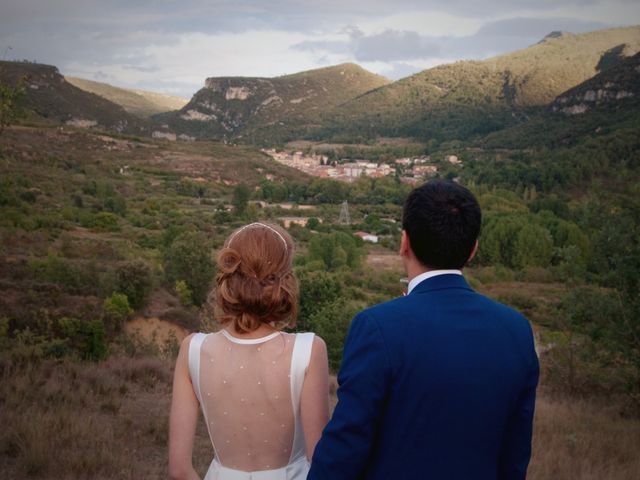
439 384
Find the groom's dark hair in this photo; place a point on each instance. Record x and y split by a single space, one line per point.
442 220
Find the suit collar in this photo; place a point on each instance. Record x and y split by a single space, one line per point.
440 282
429 274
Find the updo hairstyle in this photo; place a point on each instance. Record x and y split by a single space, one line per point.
255 281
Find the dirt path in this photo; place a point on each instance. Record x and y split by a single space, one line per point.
154 329
384 260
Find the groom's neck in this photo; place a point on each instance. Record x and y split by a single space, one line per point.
416 268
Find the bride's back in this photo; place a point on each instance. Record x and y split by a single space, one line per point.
246 394
249 377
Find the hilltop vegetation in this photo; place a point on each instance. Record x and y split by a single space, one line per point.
463 101
269 109
96 228
50 99
601 112
140 103
472 98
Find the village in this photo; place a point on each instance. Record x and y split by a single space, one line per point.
411 170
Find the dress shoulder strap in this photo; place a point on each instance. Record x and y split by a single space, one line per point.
194 362
300 359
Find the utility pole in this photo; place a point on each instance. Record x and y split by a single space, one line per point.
344 214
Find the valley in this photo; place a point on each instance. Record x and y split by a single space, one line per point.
114 204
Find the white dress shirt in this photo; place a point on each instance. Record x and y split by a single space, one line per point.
431 273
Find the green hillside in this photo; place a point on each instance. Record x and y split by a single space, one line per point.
271 109
50 98
612 89
472 98
137 102
606 104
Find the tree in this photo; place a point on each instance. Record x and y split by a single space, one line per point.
188 258
116 311
332 324
533 247
336 250
313 223
87 338
317 289
10 98
240 199
497 242
133 279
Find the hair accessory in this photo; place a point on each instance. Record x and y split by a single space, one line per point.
258 224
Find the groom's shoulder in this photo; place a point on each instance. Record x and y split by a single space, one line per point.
387 311
402 307
503 311
504 318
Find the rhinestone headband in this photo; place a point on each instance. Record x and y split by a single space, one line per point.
258 224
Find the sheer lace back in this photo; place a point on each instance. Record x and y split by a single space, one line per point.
249 391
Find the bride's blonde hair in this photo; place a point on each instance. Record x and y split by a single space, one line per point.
255 283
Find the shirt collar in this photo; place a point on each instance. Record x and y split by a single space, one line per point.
430 274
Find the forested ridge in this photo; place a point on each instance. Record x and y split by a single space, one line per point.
101 231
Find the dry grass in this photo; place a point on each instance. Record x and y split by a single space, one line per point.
586 440
68 420
78 420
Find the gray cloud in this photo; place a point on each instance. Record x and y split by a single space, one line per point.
107 35
139 68
399 70
392 45
491 38
212 16
389 45
512 34
101 76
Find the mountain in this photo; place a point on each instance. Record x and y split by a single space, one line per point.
140 103
50 98
269 108
606 104
471 98
616 87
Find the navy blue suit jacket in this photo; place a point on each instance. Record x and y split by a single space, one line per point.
437 385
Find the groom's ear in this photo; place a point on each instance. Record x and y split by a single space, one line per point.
473 252
405 246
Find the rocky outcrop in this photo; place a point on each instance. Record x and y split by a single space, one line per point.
50 98
619 83
240 106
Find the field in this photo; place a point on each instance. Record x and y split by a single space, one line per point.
93 227
67 420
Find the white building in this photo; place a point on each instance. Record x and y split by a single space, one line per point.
367 237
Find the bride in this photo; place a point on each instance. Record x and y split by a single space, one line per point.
263 392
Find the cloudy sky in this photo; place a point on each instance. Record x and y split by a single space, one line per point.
172 46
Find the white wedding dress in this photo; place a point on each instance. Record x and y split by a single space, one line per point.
249 391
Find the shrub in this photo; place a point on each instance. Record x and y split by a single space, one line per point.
183 292
101 221
134 280
55 269
240 199
117 205
518 301
336 250
87 338
536 275
116 311
317 289
189 259
332 324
